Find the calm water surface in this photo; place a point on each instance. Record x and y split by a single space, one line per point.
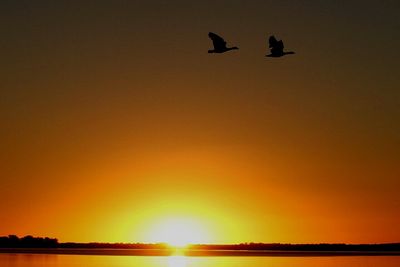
32 260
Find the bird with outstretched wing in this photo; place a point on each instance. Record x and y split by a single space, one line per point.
276 47
219 44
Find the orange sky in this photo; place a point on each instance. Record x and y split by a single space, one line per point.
115 118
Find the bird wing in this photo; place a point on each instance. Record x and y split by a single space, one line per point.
275 45
279 45
217 40
272 41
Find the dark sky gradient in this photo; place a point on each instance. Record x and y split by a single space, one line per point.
104 101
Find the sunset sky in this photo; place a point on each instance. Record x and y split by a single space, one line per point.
118 126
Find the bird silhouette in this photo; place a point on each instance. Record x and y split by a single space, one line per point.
219 44
277 48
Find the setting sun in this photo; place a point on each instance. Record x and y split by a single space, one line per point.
178 232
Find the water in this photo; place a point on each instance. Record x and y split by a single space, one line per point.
36 260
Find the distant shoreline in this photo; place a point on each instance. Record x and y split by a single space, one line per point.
39 245
191 253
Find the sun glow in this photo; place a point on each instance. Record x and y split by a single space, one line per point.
178 232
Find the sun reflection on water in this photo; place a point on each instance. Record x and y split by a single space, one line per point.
177 261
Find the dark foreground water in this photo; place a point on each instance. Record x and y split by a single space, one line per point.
43 260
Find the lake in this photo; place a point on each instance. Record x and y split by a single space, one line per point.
43 260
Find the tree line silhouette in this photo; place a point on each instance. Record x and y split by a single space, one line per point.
13 241
301 247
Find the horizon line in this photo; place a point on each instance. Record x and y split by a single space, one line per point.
190 244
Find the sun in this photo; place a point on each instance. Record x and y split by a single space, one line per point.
178 232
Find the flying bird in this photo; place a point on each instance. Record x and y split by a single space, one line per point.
277 48
219 44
